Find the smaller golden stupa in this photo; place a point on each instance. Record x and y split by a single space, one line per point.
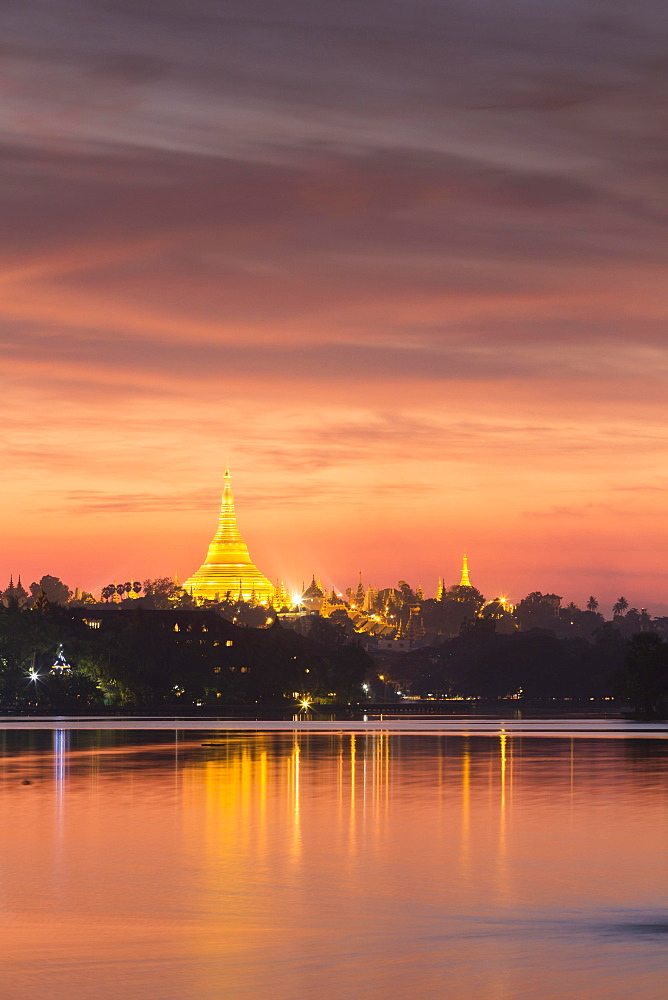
228 569
465 582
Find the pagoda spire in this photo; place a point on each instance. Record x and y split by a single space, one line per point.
465 582
359 593
227 519
228 564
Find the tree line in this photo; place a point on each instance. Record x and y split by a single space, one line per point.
472 649
151 657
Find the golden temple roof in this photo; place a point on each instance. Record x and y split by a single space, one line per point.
228 568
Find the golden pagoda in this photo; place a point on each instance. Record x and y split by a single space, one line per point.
465 582
228 568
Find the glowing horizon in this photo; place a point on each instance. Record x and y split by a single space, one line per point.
420 312
482 578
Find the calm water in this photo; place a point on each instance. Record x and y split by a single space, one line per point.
331 865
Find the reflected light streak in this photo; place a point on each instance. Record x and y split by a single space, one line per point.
466 802
339 773
262 801
235 786
353 761
377 776
502 752
502 871
61 746
296 818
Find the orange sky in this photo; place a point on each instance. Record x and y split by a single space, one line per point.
406 272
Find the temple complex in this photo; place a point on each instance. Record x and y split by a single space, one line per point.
228 568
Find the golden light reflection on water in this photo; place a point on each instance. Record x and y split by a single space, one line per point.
294 762
353 761
502 880
465 807
355 865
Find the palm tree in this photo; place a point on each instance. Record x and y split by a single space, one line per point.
620 607
592 604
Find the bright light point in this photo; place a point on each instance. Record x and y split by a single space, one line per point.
305 703
34 676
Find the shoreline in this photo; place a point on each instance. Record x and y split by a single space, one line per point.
594 727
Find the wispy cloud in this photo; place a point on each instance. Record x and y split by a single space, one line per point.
350 245
289 496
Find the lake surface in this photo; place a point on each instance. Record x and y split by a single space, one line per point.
473 860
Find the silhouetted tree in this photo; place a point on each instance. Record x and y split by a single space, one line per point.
538 610
457 605
327 632
620 607
56 591
163 593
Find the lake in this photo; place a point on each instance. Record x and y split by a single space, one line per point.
476 859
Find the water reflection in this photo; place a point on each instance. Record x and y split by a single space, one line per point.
61 747
341 864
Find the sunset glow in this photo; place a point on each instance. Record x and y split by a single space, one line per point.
403 268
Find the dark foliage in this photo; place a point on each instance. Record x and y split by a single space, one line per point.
56 591
140 656
643 678
481 663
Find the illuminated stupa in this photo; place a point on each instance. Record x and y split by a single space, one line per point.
228 568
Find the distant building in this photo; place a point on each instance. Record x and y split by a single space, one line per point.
16 592
392 645
312 598
413 630
228 568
